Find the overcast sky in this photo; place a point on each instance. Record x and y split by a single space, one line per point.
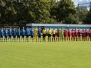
81 2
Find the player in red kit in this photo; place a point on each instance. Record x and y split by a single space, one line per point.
86 35
78 35
65 34
68 38
72 35
90 34
58 35
75 34
83 35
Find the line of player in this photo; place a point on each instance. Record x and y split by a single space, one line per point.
40 35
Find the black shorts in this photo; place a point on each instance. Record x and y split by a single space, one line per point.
31 36
9 36
39 36
22 36
6 36
44 35
18 36
53 35
49 35
14 36
1 36
27 36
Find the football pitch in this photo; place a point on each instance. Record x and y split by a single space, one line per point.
45 54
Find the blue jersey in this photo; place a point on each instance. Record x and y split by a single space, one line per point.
14 32
27 32
2 32
6 33
32 32
23 32
10 32
18 32
39 32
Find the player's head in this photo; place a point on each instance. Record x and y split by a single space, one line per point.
38 28
23 27
10 27
19 28
58 28
27 28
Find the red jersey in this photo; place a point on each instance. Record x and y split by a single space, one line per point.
68 32
72 33
78 33
58 33
89 33
65 33
83 33
75 33
86 33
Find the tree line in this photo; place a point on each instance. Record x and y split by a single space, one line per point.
39 11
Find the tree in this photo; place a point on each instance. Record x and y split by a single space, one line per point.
87 20
65 9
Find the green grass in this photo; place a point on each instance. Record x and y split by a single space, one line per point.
45 55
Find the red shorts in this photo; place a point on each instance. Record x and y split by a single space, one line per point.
89 35
58 35
78 35
83 36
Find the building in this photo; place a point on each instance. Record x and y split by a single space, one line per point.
83 7
65 26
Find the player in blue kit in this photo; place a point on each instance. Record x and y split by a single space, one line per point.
18 34
2 34
32 34
23 34
6 34
39 35
27 34
10 34
14 34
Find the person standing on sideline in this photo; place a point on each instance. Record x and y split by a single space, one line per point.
49 35
61 34
18 34
14 34
6 34
39 34
32 34
44 34
10 34
27 34
2 35
83 35
35 34
58 35
72 35
23 34
68 31
79 34
53 34
90 34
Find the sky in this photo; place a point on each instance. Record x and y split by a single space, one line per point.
81 2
